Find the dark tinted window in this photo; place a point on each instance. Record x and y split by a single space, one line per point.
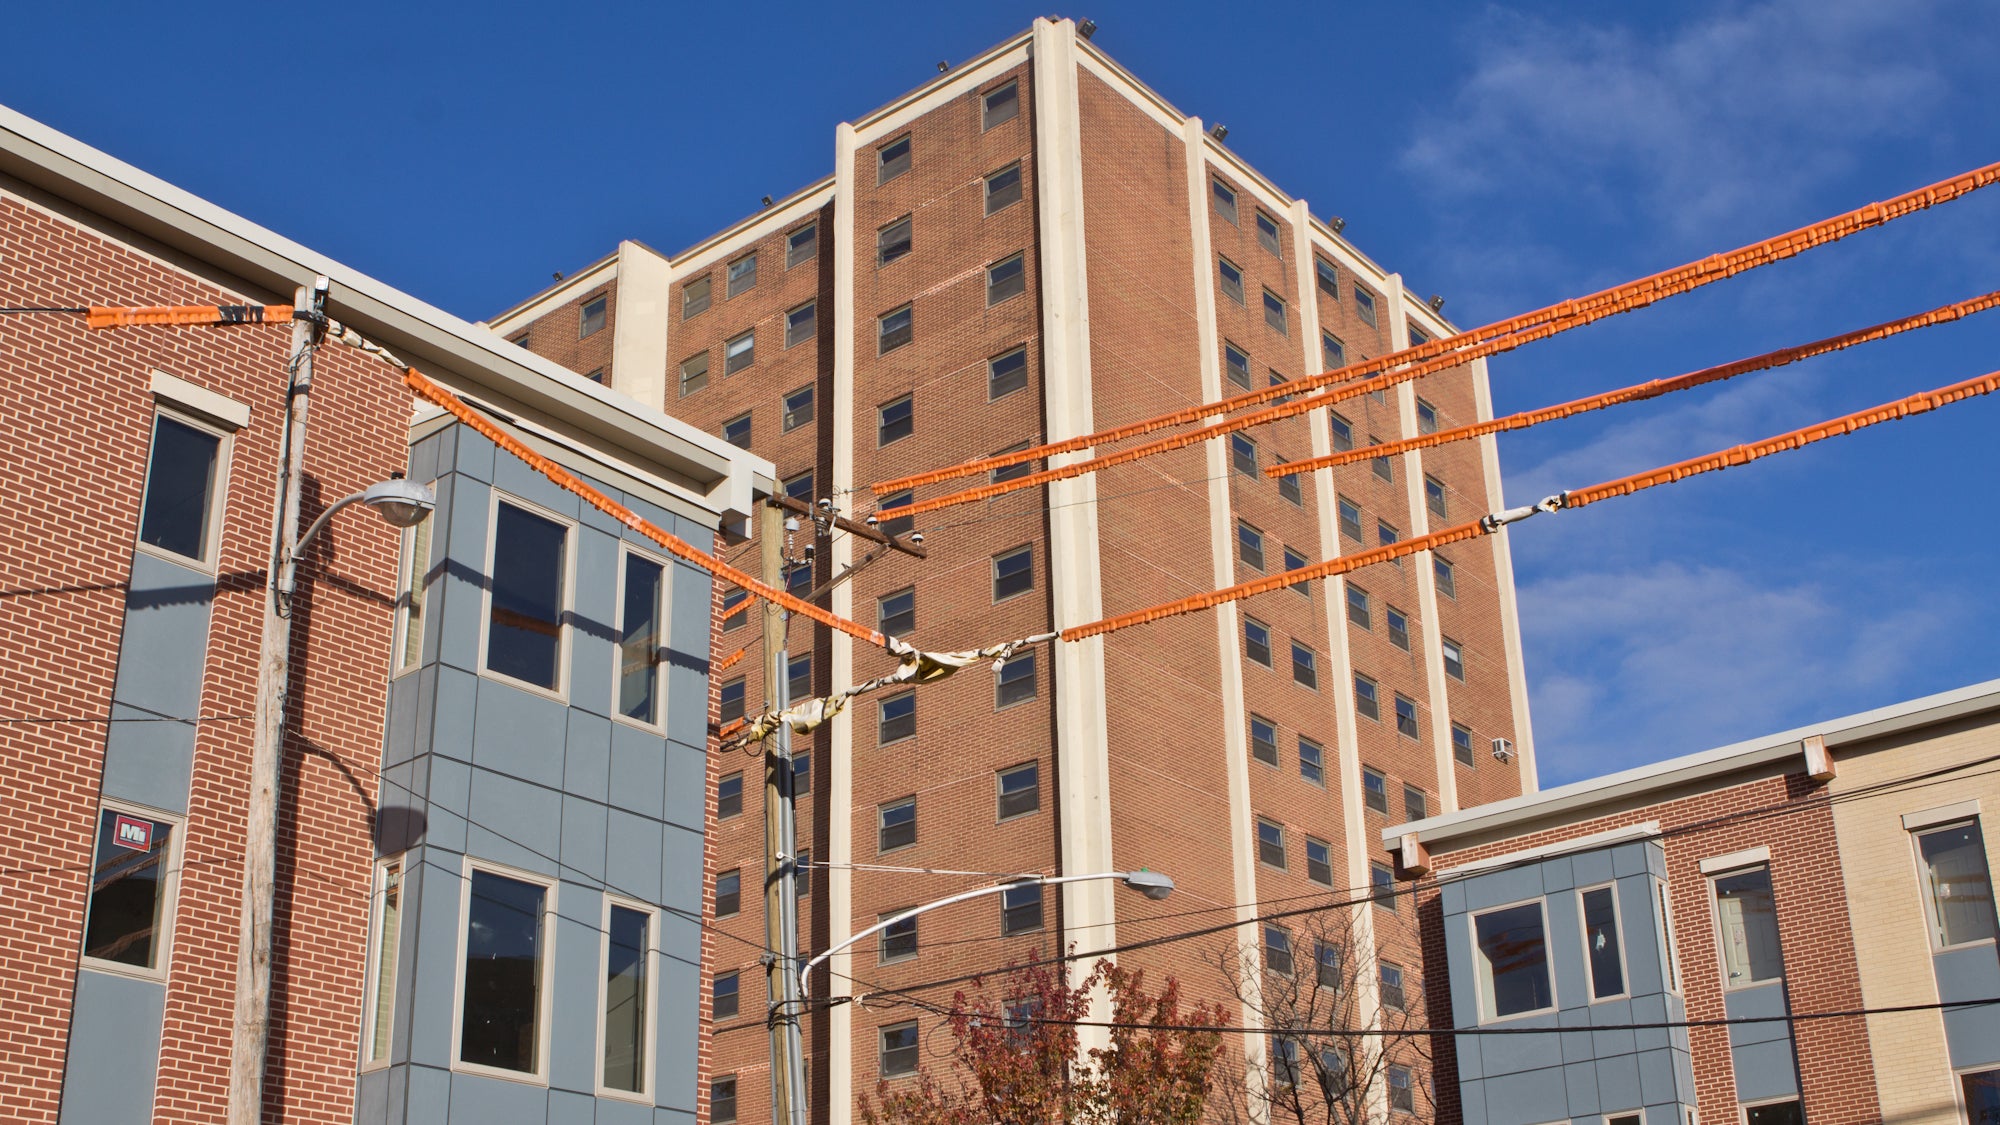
180 488
128 890
639 640
524 627
502 972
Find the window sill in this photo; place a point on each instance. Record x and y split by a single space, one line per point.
460 1066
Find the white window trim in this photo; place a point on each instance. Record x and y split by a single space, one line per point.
1669 951
545 995
1736 861
1924 901
418 576
1548 960
643 1095
1616 1115
1743 1109
493 502
169 906
1715 920
215 409
371 972
1583 930
1958 1086
1942 815
659 725
218 490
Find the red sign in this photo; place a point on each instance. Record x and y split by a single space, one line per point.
131 832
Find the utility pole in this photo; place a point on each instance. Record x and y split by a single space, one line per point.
781 889
250 1042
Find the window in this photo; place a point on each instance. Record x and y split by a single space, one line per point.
182 478
1402 1098
800 323
1289 489
1225 200
502 996
1385 535
1633 1118
695 297
739 352
732 701
1406 716
1257 641
1788 1112
1274 313
1236 365
414 587
1263 739
726 994
802 773
735 608
1357 607
591 316
1015 682
1020 790
1365 701
527 597
1982 1096
641 631
1312 761
736 431
743 274
1003 188
1415 806
1014 471
1399 627
1511 958
1278 950
893 331
1333 354
694 373
1267 234
896 525
1305 666
596 376
1461 743
896 614
892 159
729 796
802 875
128 918
1454 658
1434 496
800 487
1958 889
1319 863
1427 418
1284 1048
728 892
896 824
1021 908
1327 277
892 241
1006 278
1013 573
1374 789
722 1101
385 939
899 1048
1749 926
1381 464
1392 983
1232 280
1601 945
1382 889
1250 546
1271 843
628 1000
1447 582
520 341
1296 561
1000 106
1243 455
894 421
897 718
1364 305
1343 432
898 941
1005 374
1350 519
802 245
799 677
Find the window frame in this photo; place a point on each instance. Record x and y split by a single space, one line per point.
1714 877
168 910
1230 370
725 779
1000 700
1275 305
1326 277
1233 290
1041 908
715 1080
1415 798
1340 431
884 334
651 966
885 165
1374 698
545 994
1743 1108
1470 759
1382 892
1444 576
792 256
661 611
1283 945
787 423
372 971
567 610
1310 665
1318 776
1405 710
1250 623
1364 305
1019 261
1327 863
730 275
1246 532
717 897
682 376
1250 727
882 618
882 244
218 488
412 594
1427 417
1268 235
1226 201
731 974
1451 653
1282 848
1244 455
793 337
705 284
602 303
1371 774
1618 926
883 827
986 121
729 364
882 719
1435 500
882 1049
1352 528
989 193
1000 793
993 379
1933 921
1485 994
1360 608
1011 553
883 937
883 424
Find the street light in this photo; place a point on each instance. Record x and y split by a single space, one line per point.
401 503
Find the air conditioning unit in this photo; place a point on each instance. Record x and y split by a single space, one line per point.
1503 749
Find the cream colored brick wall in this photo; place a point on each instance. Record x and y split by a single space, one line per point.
1891 933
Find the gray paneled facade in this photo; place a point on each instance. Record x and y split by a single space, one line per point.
555 785
1591 1063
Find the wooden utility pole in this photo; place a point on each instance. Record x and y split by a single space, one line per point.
250 1042
781 888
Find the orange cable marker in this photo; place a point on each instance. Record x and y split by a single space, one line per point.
1450 351
1920 403
423 386
114 316
1642 391
728 662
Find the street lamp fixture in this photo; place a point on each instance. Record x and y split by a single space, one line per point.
401 503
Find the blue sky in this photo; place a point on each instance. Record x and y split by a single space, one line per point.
1505 157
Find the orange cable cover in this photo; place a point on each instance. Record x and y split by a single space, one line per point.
1920 403
1450 351
423 386
113 316
1642 391
728 662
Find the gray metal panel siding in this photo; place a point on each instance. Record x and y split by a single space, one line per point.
1760 1052
148 762
114 1055
161 657
1971 973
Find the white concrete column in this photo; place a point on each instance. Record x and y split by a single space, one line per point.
1503 581
639 330
838 760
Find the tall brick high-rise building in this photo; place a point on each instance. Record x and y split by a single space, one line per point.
1035 246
